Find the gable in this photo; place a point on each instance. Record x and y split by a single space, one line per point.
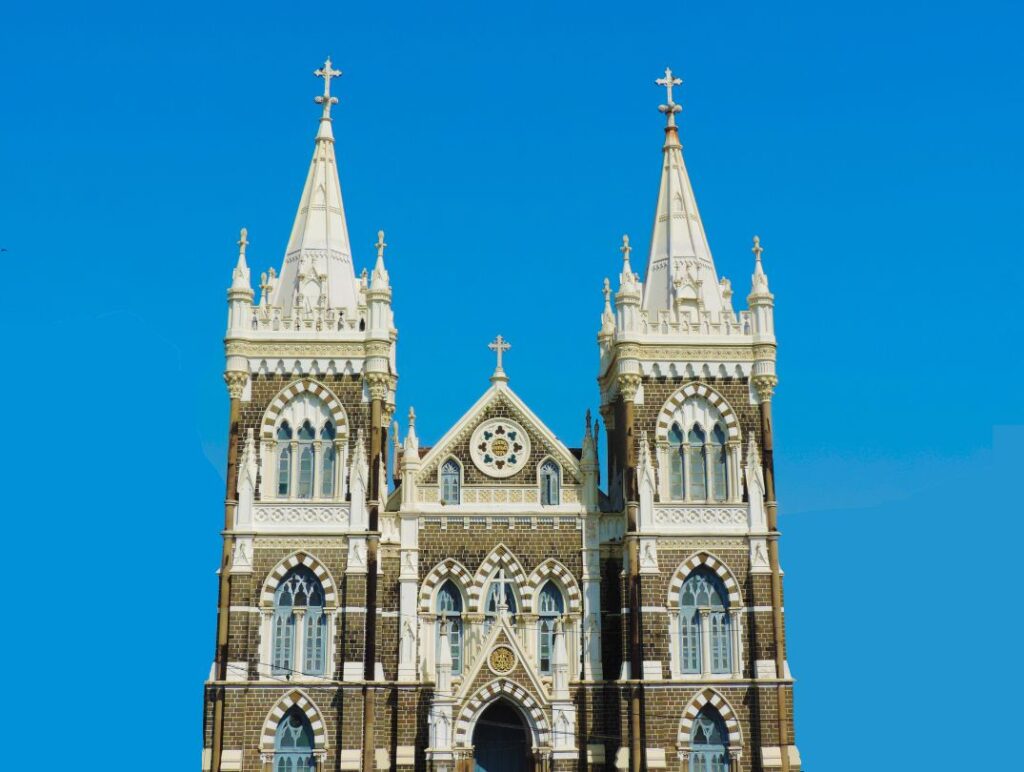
500 415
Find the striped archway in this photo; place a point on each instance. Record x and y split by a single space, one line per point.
531 711
307 706
709 697
299 559
696 390
294 389
714 564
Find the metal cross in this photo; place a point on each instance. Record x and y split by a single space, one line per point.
671 108
500 346
326 72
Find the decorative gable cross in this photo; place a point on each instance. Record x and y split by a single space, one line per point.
503 585
326 72
499 345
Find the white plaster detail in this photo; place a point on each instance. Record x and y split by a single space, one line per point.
500 447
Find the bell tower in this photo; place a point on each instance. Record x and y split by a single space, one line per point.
686 389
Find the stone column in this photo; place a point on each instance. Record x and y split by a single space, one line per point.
737 641
705 641
299 642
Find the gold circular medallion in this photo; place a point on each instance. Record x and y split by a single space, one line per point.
502 659
500 446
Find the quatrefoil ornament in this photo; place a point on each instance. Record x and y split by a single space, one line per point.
499 447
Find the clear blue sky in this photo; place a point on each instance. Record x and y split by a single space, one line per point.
874 146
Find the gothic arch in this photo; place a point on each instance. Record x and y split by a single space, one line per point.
531 711
563 578
690 390
449 568
294 389
703 559
693 707
299 559
307 706
499 556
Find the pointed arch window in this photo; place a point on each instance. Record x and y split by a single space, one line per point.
299 625
499 588
327 460
697 477
549 483
451 474
675 463
704 624
550 606
719 478
306 462
709 751
284 459
449 612
293 743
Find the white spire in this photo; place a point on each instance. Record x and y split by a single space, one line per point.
380 277
240 276
318 261
680 270
759 280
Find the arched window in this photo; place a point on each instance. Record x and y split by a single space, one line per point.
703 600
449 612
697 474
284 459
327 456
299 625
675 463
550 606
450 473
306 437
549 483
500 587
709 751
719 480
293 743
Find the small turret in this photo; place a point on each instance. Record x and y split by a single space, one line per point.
627 299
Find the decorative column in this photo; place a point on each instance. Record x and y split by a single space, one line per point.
298 652
737 642
705 641
408 576
590 637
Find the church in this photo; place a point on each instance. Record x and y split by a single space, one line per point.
493 599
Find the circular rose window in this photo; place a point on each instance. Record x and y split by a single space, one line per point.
502 659
499 447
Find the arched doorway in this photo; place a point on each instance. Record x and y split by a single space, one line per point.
501 741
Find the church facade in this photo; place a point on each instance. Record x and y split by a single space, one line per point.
499 600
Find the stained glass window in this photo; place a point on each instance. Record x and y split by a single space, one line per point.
449 610
293 743
696 476
675 463
703 590
306 435
549 483
709 741
327 456
719 480
550 606
450 482
284 459
299 589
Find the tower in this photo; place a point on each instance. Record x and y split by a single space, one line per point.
310 370
491 606
686 389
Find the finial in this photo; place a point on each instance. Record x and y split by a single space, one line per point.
243 242
412 418
757 250
326 72
588 420
607 291
380 245
499 345
670 108
625 249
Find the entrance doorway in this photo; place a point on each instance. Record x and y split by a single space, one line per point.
500 740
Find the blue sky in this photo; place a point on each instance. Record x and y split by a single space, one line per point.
875 147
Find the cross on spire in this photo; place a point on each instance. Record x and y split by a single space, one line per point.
499 346
326 72
243 242
757 249
670 108
380 245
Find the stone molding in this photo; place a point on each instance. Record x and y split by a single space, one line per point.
695 561
307 706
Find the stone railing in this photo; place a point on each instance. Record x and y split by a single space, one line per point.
700 518
300 516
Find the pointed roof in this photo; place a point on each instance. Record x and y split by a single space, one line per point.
318 261
680 263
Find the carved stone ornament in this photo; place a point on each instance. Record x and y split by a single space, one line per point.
236 383
499 447
502 660
765 385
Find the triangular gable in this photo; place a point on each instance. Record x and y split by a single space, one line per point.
499 394
523 673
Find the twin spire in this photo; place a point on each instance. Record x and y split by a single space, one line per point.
318 270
